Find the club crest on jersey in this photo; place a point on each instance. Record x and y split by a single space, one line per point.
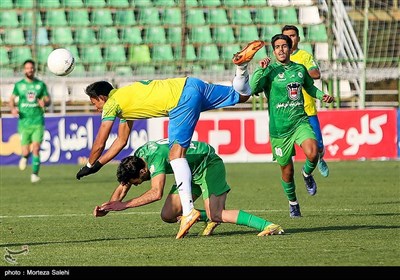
293 90
31 96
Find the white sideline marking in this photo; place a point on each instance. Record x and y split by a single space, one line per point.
116 213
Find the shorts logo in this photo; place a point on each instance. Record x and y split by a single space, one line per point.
293 90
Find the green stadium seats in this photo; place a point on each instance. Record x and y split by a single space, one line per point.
14 37
174 35
317 33
74 50
101 17
95 3
49 4
195 17
190 53
162 53
286 15
72 3
257 3
241 16
233 3
7 72
147 70
20 54
268 31
227 51
171 16
154 35
123 71
24 4
131 35
43 53
96 69
223 34
264 15
91 54
192 3
301 33
164 3
209 3
217 17
214 68
139 54
6 4
247 33
4 58
85 35
42 37
27 19
208 53
61 36
115 54
108 35
141 3
125 18
118 3
200 35
78 18
306 46
79 71
148 16
9 19
260 54
56 18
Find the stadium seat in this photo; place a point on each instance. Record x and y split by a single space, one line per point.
72 3
286 15
95 3
241 16
85 35
227 51
233 4
264 15
131 35
6 4
139 54
74 50
4 58
78 17
154 35
261 53
56 18
174 35
279 3
118 3
124 18
162 53
171 16
79 71
148 16
192 3
49 4
9 19
200 35
256 3
43 53
164 3
24 4
27 19
247 33
97 69
123 71
302 2
209 3
61 36
115 54
108 35
208 53
309 15
214 68
301 33
14 36
190 53
42 37
321 51
195 17
142 3
91 54
268 31
217 16
306 46
144 70
317 33
101 17
223 34
19 55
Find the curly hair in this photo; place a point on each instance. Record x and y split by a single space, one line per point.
129 168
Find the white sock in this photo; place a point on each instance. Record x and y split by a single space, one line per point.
293 202
183 179
241 80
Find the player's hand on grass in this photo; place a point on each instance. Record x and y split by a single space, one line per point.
86 170
97 212
113 206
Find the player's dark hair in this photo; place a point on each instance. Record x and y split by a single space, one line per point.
291 27
98 88
29 61
129 168
283 37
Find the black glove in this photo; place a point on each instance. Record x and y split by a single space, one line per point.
85 170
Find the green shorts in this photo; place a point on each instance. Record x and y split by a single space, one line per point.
211 181
283 149
31 134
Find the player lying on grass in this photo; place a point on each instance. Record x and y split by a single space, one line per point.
150 162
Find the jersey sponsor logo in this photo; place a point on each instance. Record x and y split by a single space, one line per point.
294 90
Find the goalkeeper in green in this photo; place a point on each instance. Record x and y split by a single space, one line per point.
282 83
150 162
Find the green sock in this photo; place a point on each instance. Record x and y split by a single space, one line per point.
289 189
35 164
246 219
309 167
203 216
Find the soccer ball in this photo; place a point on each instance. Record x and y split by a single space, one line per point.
61 62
